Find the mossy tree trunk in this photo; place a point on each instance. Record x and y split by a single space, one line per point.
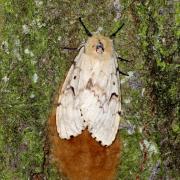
157 22
33 65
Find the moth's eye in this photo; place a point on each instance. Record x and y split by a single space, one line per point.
99 47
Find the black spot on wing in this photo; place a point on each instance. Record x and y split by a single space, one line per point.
58 104
81 112
113 95
72 89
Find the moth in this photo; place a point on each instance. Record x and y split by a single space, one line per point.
90 96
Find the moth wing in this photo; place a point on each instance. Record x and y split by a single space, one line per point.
101 104
68 116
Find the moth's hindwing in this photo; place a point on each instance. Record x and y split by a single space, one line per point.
90 96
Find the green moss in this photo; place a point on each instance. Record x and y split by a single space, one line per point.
33 64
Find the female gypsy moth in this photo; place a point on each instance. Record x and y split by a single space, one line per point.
90 96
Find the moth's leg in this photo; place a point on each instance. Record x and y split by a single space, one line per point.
120 72
122 59
73 48
70 48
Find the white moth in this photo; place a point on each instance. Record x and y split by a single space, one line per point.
90 96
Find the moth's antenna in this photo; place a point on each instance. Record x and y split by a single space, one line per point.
86 30
114 34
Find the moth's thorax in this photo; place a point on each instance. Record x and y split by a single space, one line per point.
99 47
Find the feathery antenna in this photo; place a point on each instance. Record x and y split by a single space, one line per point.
86 30
114 34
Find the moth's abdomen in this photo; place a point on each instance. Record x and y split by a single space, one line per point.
82 156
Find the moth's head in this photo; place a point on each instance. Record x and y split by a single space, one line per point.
99 45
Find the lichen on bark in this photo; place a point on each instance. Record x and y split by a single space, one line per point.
33 65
